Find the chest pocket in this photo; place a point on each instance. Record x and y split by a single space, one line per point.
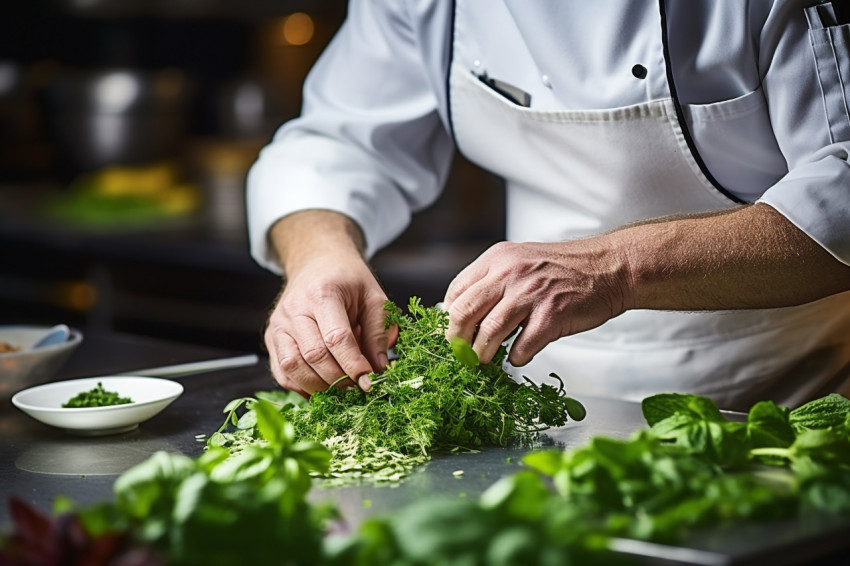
829 32
748 168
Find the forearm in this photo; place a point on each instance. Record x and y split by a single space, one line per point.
750 257
302 236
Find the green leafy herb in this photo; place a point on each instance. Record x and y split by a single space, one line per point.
768 425
517 521
694 467
659 484
221 510
664 405
463 352
97 397
435 398
821 413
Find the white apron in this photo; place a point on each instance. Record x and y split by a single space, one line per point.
572 174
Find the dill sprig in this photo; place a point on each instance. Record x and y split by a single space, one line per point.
430 400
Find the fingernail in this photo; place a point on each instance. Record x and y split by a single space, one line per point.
383 361
364 382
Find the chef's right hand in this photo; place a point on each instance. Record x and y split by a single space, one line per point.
328 322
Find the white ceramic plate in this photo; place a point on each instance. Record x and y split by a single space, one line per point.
150 395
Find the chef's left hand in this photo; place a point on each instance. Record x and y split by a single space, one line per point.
549 289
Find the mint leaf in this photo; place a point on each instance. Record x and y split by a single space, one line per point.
658 407
826 412
723 442
822 445
768 426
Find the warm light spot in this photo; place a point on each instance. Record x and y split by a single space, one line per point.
298 29
81 296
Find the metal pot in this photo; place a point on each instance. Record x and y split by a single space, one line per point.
117 116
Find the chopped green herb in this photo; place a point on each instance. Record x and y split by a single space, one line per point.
457 473
436 398
97 397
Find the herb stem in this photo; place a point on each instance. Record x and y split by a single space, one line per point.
780 452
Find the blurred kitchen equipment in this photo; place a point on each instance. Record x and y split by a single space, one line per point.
24 151
250 108
56 335
191 368
25 367
117 116
221 166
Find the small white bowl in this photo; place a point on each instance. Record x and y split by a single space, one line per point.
25 367
150 395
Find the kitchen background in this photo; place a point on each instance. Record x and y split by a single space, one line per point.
126 131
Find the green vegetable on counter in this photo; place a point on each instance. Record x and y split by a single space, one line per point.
685 471
97 397
436 398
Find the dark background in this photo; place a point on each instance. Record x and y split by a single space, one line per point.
209 82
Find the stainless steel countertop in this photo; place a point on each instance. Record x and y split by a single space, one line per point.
38 463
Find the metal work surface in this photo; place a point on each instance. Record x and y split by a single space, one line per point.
38 463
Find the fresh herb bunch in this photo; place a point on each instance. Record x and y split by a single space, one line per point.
97 397
691 467
215 510
694 467
435 397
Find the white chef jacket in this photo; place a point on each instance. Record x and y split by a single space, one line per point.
763 95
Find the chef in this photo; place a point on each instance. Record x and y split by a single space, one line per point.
678 191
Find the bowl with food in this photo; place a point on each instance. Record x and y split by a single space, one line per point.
25 362
98 405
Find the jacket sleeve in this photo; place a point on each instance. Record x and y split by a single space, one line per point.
369 143
805 67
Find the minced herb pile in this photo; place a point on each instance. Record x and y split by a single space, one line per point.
97 397
434 398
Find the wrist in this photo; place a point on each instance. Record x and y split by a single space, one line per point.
615 258
643 249
302 237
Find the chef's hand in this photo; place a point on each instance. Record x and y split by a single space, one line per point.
329 319
549 289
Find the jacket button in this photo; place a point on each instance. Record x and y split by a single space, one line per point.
639 71
546 82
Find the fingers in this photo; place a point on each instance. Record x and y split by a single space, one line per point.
495 328
485 316
286 364
468 309
374 338
336 346
474 272
535 335
311 350
509 286
392 336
